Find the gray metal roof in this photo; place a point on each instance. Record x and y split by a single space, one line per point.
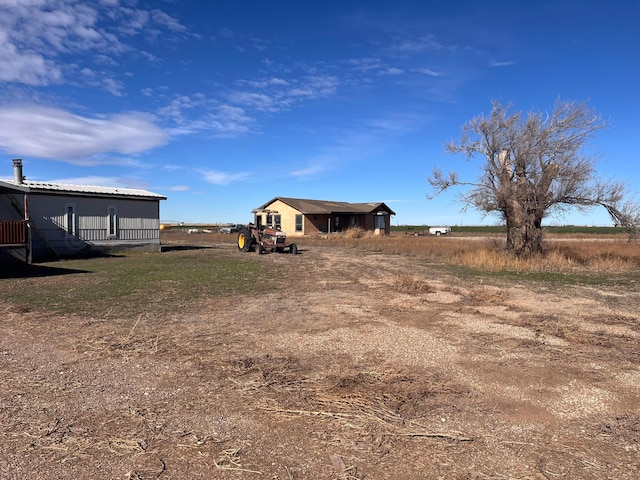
88 190
307 206
4 185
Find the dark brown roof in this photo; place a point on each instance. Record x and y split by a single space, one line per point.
307 207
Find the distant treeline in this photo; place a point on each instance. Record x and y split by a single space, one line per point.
500 229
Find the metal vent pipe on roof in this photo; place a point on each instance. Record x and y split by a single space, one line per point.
17 171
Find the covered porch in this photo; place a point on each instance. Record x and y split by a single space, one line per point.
15 231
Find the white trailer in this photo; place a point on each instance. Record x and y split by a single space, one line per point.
439 230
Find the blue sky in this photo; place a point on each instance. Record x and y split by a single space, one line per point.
223 105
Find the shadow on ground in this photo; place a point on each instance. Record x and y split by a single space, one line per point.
24 270
176 248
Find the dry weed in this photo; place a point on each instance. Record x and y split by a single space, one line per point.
411 285
355 232
230 460
576 257
565 256
487 295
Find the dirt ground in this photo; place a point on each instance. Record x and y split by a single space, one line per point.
365 366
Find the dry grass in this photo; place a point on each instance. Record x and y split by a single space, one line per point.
616 255
316 378
563 257
487 295
356 232
412 284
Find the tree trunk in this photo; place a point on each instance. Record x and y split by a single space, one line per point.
524 234
524 212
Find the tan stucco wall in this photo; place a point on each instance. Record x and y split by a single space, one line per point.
312 225
287 217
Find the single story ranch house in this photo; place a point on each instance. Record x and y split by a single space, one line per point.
297 216
45 220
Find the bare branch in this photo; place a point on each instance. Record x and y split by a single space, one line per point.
626 216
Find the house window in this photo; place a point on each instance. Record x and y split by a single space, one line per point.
336 223
354 221
298 223
269 220
379 222
112 214
70 219
277 221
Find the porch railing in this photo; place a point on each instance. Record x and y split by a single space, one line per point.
13 232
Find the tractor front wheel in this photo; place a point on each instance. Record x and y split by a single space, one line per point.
245 240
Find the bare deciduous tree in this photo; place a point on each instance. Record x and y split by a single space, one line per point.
535 165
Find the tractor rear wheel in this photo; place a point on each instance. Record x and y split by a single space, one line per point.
245 240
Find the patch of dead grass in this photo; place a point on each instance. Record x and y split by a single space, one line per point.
378 404
617 255
487 295
411 284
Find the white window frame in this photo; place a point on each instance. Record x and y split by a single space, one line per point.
70 220
112 227
299 222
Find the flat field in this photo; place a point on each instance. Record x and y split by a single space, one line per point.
203 362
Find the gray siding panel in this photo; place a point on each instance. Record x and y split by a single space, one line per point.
138 222
7 210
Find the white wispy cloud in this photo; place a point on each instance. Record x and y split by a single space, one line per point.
315 86
392 71
191 114
223 121
429 72
109 159
259 44
359 142
90 180
168 21
414 45
114 86
277 94
57 134
240 41
366 64
502 64
37 38
223 178
265 83
259 101
25 67
175 110
131 21
314 167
